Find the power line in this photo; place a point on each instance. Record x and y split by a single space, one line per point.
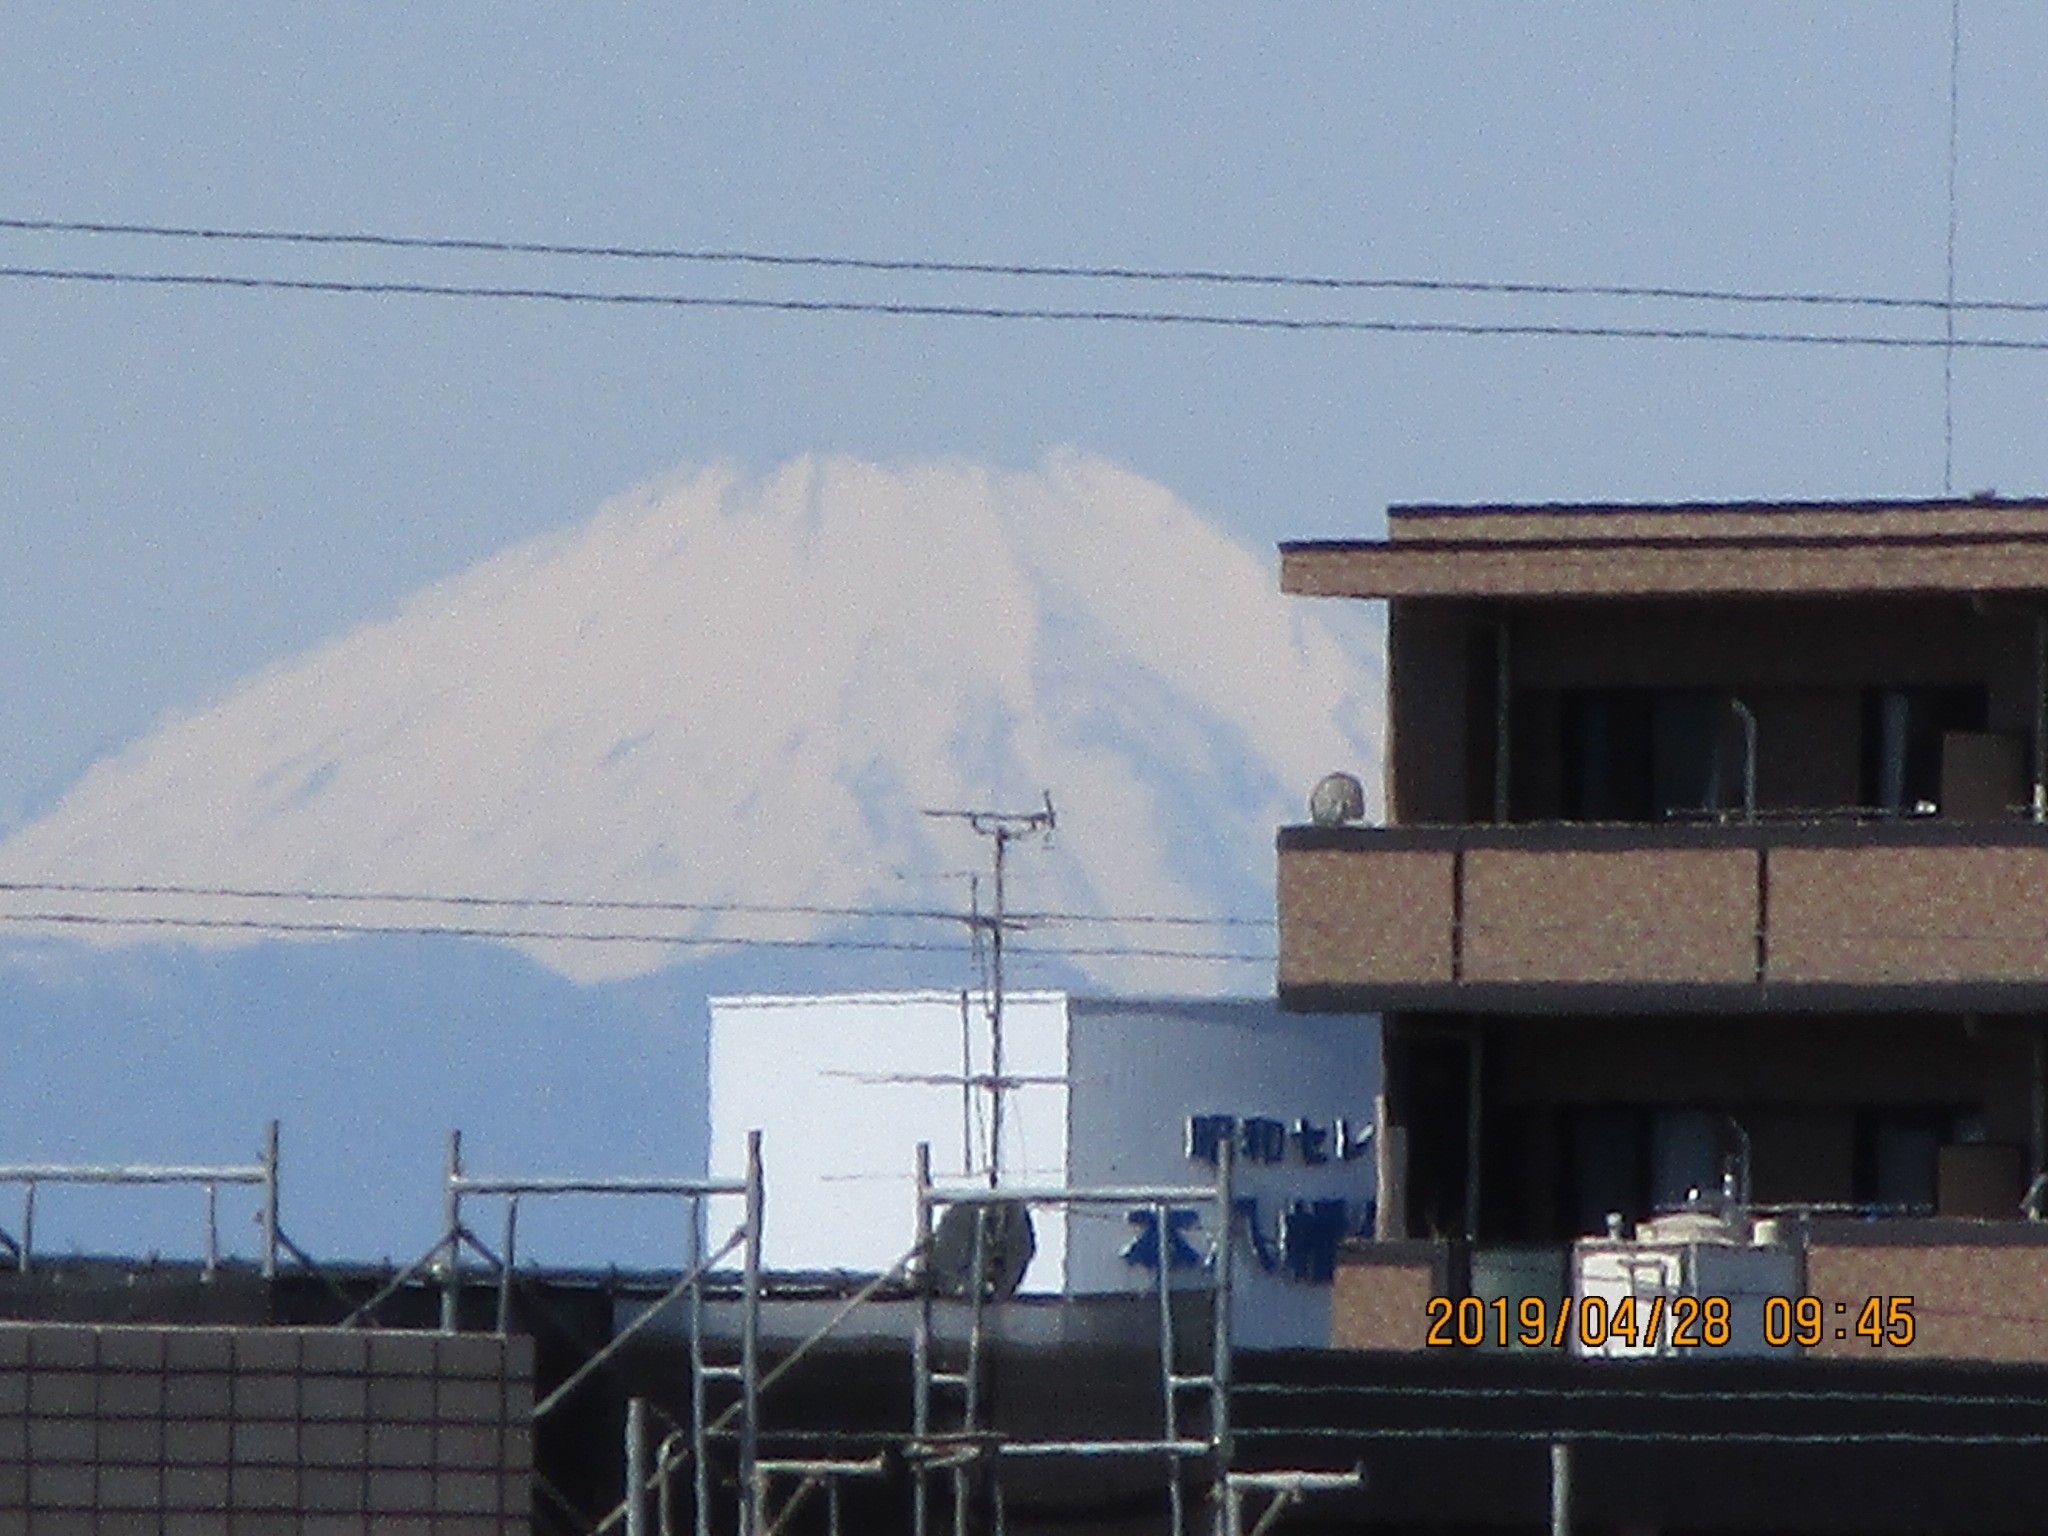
927 266
1005 312
605 904
674 940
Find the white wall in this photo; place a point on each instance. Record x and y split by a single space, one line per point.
1139 1070
823 1079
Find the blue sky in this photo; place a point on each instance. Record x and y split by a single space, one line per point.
192 485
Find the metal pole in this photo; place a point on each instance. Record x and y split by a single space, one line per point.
995 1023
966 1086
212 1230
270 1200
1176 1515
1560 1488
750 1346
1220 1325
28 1223
921 1343
636 1466
505 1265
451 1224
971 1418
700 1471
1748 718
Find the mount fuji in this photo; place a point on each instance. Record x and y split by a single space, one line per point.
723 690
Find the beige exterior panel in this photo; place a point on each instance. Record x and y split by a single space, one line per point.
1655 915
1381 1306
1879 915
1617 569
1847 522
1354 918
1969 1303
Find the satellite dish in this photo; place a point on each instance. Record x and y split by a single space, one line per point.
1007 1244
1336 799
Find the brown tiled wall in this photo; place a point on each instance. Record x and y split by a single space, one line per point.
1969 1302
1612 568
1383 1302
1869 916
1347 918
1909 914
262 1432
1636 916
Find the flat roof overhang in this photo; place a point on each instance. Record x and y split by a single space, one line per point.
1693 550
1622 999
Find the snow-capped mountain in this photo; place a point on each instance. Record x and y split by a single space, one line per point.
724 688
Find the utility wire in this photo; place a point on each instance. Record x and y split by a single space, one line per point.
603 904
673 940
1154 317
1180 276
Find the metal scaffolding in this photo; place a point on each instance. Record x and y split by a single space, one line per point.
968 1446
974 1443
460 1185
262 1175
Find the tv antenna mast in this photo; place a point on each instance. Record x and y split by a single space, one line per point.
1002 828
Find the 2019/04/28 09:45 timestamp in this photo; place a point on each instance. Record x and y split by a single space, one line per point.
1670 1322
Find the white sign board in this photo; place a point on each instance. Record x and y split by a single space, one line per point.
843 1088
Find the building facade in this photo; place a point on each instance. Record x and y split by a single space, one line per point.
1101 1093
1715 876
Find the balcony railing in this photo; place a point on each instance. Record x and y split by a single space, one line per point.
1740 915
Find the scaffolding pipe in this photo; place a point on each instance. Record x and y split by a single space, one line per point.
1052 1194
921 1342
1560 1488
700 1470
636 1466
977 1278
1220 1322
750 1345
1176 1515
505 1266
451 1223
269 1217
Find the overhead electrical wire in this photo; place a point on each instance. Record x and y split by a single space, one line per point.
1059 271
340 928
603 904
1009 312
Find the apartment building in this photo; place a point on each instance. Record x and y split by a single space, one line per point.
1714 880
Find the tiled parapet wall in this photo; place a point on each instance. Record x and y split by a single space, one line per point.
1879 905
263 1432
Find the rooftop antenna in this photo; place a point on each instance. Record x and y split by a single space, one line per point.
1002 828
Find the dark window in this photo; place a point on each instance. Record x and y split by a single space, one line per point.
1645 754
1897 1150
1902 731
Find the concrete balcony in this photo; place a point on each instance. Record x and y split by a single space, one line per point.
1762 916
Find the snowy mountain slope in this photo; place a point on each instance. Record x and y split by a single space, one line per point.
725 687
